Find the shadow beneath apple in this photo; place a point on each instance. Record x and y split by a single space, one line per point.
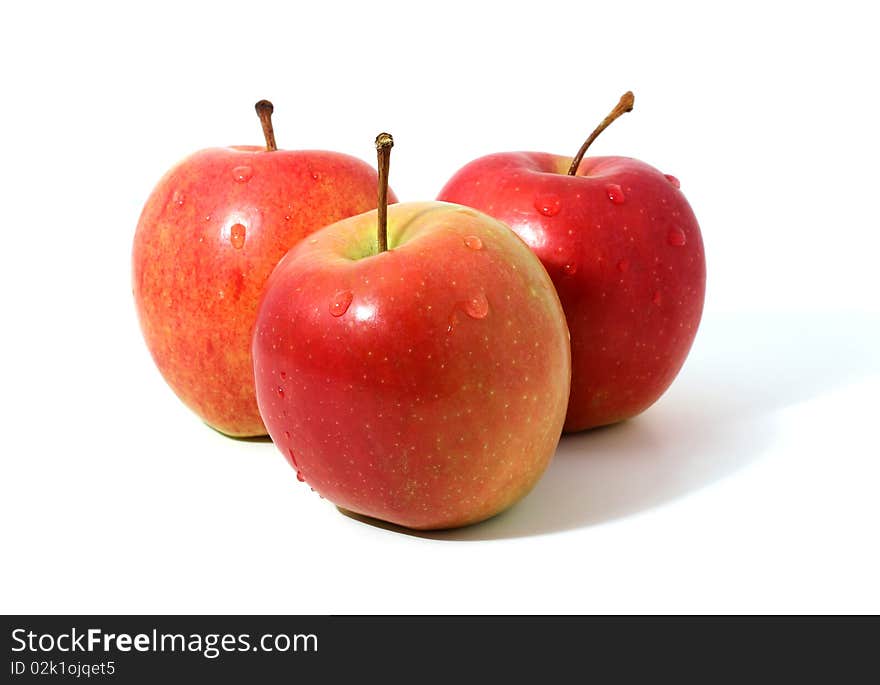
252 438
717 418
239 438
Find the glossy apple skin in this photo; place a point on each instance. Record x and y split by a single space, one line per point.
624 250
208 237
426 385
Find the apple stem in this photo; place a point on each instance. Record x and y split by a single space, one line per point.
264 111
384 143
625 105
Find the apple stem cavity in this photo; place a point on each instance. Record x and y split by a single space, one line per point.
625 105
264 111
384 143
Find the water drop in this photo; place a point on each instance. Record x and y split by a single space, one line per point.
473 242
676 237
280 391
301 478
657 299
315 175
615 193
292 457
283 375
477 307
623 265
287 435
178 198
341 303
242 174
673 180
548 204
570 269
237 235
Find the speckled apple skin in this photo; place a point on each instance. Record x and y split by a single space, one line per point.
426 385
208 237
625 253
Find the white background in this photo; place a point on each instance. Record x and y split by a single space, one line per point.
751 486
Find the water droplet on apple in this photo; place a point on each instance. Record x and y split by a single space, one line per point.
341 303
615 193
676 237
315 175
178 198
570 269
657 299
292 456
450 325
623 265
242 174
673 180
301 478
280 392
548 204
237 234
477 307
473 242
283 375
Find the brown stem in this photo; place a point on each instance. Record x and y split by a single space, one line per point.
264 111
384 143
625 105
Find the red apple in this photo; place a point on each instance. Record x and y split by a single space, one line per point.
623 248
209 236
424 385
